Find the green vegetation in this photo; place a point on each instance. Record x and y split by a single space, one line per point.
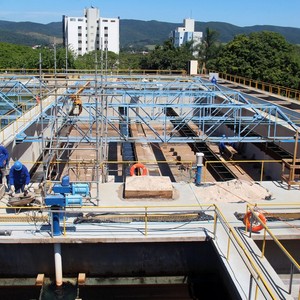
24 57
30 34
135 35
209 49
167 57
264 56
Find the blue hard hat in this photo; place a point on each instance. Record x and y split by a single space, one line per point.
18 165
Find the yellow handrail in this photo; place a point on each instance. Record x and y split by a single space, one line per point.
233 238
264 86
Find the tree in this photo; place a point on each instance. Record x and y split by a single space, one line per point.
168 57
130 60
61 56
208 49
24 57
88 60
264 56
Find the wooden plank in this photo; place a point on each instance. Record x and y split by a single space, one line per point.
40 280
81 278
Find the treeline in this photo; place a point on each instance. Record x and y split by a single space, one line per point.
264 56
23 57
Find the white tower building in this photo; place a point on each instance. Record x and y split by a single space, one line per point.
89 33
182 35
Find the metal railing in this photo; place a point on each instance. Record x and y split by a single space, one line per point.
294 265
185 169
112 71
263 86
258 162
154 221
255 273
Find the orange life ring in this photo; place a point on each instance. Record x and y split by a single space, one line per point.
139 166
256 225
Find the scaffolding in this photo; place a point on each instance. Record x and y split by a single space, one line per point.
206 107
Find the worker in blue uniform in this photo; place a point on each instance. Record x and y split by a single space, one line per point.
214 80
19 178
4 159
222 145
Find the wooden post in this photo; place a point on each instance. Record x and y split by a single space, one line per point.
39 280
81 278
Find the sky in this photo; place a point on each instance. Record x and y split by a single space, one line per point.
237 12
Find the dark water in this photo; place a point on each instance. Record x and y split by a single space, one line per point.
194 288
66 292
70 292
152 292
19 293
120 292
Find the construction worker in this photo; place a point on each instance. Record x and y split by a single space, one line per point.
19 178
4 159
222 145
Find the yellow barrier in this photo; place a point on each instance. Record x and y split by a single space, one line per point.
263 86
219 225
62 72
293 262
189 175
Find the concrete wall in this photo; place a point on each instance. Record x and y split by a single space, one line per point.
197 261
28 152
130 259
275 256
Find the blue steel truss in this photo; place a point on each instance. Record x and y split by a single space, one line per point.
203 105
18 95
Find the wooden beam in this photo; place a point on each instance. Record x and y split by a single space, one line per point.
40 280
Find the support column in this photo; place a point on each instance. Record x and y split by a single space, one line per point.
58 264
199 162
55 220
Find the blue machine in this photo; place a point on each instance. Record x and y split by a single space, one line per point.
65 187
66 194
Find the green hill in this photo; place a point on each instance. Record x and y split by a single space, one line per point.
29 33
228 31
133 33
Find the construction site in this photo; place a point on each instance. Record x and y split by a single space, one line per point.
149 186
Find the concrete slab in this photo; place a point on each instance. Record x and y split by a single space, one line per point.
148 187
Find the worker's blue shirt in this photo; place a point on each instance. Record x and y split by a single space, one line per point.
4 157
222 145
19 177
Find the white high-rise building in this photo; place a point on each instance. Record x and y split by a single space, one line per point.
91 32
182 35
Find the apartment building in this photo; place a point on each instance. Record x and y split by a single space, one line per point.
182 35
91 32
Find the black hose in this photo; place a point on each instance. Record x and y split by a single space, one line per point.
5 232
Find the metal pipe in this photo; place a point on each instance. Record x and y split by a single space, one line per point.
199 162
55 220
58 264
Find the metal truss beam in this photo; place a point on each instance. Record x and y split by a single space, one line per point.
207 118
204 105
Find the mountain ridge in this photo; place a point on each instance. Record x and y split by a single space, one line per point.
133 33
